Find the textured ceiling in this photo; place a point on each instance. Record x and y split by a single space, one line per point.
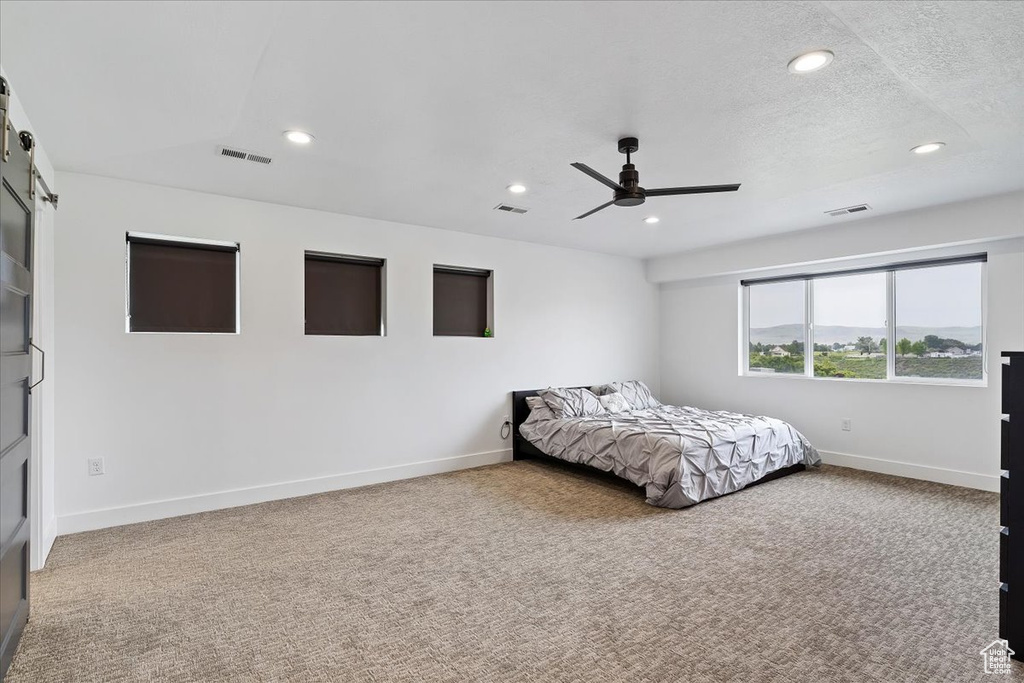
424 112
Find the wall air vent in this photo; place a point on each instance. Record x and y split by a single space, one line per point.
242 155
510 209
848 209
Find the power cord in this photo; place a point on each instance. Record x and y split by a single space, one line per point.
506 429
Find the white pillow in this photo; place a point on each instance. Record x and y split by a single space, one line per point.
636 393
614 402
539 409
571 402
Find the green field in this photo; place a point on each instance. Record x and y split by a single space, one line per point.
849 365
856 366
948 368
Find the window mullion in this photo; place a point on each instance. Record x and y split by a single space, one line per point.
745 330
890 325
809 328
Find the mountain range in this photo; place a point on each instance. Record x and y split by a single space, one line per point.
830 334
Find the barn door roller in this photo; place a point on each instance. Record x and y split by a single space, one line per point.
27 142
5 151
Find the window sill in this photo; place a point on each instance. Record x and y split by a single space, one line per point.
940 382
190 334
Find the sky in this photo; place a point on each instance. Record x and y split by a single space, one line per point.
856 301
947 296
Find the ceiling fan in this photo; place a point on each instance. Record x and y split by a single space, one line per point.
628 191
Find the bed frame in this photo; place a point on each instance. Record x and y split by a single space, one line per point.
523 449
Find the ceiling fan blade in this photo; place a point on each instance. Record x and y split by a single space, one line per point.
696 189
596 176
603 206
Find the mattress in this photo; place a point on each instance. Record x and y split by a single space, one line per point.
679 454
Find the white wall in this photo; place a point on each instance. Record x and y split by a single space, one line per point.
941 433
949 225
192 422
41 493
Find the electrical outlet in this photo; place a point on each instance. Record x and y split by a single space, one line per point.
95 466
506 419
847 424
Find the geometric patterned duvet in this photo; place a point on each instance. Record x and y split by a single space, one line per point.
680 455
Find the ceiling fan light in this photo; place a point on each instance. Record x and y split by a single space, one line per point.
811 61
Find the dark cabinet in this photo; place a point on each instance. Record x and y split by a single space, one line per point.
1011 504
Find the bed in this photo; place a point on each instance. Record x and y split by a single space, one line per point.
679 455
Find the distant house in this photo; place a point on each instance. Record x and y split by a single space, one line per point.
849 347
951 352
778 351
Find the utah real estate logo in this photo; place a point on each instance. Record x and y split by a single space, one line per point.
997 657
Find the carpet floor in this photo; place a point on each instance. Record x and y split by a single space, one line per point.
527 572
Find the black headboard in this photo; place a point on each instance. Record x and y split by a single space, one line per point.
521 448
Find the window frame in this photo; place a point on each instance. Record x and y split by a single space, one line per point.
890 323
487 274
182 241
379 262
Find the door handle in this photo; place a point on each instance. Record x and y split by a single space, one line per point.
43 369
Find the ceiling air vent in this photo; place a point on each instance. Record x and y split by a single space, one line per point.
242 155
509 208
848 209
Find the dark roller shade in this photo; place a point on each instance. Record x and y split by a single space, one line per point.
181 287
460 302
343 296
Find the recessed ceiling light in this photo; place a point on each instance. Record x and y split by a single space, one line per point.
299 137
517 188
812 61
651 220
928 147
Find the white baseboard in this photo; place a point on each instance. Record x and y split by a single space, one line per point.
145 512
973 480
41 550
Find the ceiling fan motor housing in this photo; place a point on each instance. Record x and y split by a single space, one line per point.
631 193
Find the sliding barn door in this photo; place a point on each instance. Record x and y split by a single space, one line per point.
16 216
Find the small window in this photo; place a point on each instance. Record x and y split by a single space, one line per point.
462 302
177 285
344 295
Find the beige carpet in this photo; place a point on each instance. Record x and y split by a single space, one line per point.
524 572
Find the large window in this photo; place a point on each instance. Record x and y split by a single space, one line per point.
177 285
916 321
